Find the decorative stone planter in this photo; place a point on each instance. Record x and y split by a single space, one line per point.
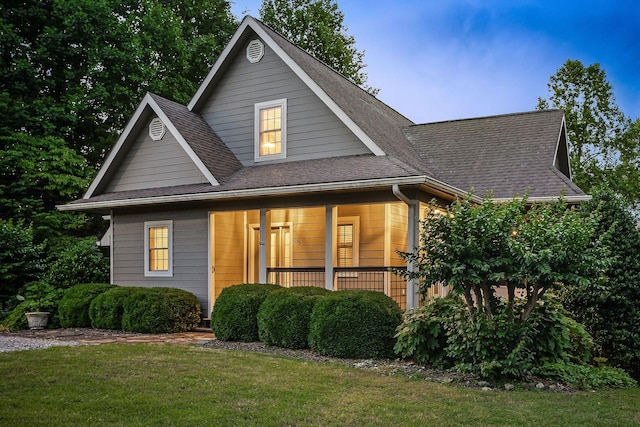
37 319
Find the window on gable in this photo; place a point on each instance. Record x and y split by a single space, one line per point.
270 127
158 248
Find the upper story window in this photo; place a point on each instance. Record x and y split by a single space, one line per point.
158 244
270 130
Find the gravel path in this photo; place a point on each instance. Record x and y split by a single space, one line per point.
16 343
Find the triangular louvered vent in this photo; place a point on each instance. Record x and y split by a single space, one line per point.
156 129
255 51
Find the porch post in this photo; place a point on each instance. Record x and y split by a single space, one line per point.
331 214
265 228
413 239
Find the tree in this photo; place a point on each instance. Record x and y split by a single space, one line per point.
75 69
611 311
20 259
476 248
604 144
36 174
317 26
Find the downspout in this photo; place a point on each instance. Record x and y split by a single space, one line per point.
412 242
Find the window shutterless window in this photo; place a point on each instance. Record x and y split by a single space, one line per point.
270 130
347 244
158 248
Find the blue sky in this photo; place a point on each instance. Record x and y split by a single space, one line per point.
447 59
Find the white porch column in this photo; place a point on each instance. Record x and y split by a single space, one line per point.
265 247
331 217
413 239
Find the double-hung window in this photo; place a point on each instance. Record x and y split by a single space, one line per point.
270 130
158 248
348 231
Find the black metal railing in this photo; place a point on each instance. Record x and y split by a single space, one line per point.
290 277
380 279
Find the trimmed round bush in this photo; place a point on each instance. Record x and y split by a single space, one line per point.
74 305
354 324
235 313
107 308
160 310
283 318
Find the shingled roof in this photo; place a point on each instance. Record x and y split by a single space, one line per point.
508 154
215 155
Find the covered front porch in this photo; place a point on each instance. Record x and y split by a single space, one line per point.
345 246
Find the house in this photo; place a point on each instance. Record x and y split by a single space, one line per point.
281 170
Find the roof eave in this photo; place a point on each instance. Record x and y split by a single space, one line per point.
270 191
547 199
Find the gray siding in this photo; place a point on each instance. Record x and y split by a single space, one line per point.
190 250
151 164
313 131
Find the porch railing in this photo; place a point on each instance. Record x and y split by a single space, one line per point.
290 277
380 279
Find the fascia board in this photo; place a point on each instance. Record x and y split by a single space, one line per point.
568 199
116 148
563 130
313 86
218 64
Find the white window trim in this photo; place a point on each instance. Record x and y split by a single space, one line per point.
282 103
155 273
355 221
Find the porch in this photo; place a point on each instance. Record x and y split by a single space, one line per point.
338 247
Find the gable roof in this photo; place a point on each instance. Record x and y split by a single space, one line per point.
215 155
508 154
211 156
376 124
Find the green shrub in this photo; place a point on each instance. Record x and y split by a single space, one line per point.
587 377
354 324
160 310
16 319
74 305
80 263
20 259
235 312
422 335
107 308
284 316
445 333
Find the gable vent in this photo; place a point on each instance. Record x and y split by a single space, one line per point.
255 51
156 129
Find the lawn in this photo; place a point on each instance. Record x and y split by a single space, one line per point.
188 385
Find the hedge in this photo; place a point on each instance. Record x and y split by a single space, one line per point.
354 324
160 310
74 305
107 308
284 316
235 313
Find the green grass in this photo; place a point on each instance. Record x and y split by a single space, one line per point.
164 385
